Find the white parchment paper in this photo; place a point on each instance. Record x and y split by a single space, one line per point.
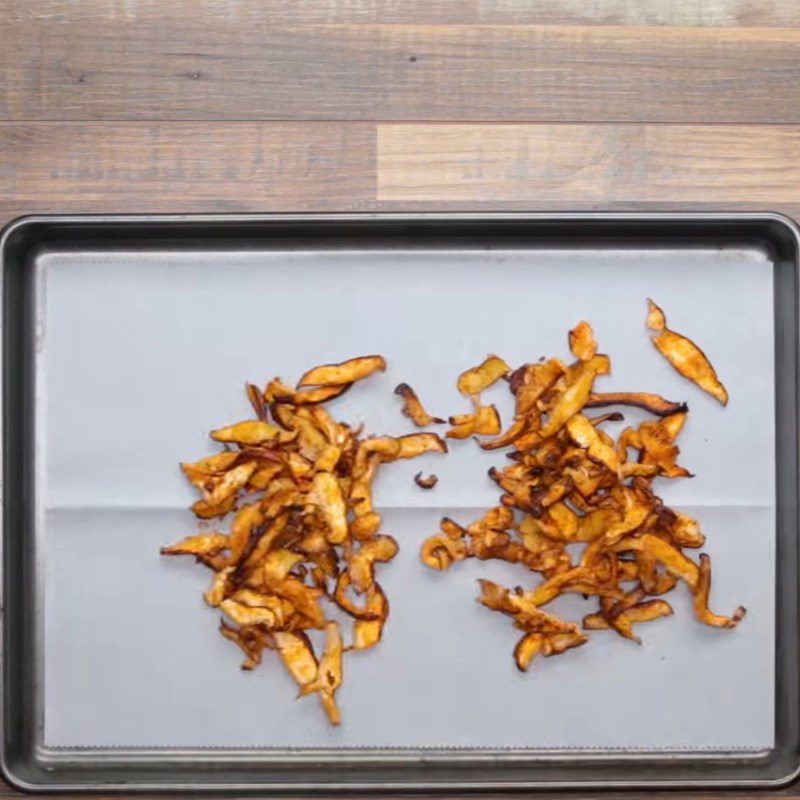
141 354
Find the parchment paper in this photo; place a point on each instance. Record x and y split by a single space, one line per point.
140 355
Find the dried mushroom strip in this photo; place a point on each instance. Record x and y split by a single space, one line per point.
304 539
426 481
482 420
570 482
684 355
413 408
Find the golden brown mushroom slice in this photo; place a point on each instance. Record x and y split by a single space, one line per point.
247 518
556 643
658 445
445 548
700 600
648 401
205 510
646 611
246 432
518 428
572 399
362 563
248 615
367 632
206 544
327 494
683 529
278 563
527 648
279 393
473 381
256 398
531 382
586 435
426 481
582 342
354 369
415 444
200 472
684 355
297 654
280 607
611 416
218 489
545 633
220 587
620 615
304 598
251 641
413 408
390 448
329 673
674 561
485 421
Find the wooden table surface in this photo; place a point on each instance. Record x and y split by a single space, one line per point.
336 105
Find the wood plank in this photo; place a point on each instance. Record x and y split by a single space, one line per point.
85 167
710 13
589 165
744 13
185 167
142 66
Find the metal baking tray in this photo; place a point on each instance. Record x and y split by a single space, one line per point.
111 322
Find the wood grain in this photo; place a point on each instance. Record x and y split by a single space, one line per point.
734 13
85 167
145 65
579 165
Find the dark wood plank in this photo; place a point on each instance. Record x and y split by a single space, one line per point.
735 13
151 64
84 167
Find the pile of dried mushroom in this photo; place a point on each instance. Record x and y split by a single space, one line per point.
305 538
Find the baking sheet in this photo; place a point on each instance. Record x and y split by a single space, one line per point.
141 354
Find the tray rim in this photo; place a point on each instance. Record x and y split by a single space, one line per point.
53 756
